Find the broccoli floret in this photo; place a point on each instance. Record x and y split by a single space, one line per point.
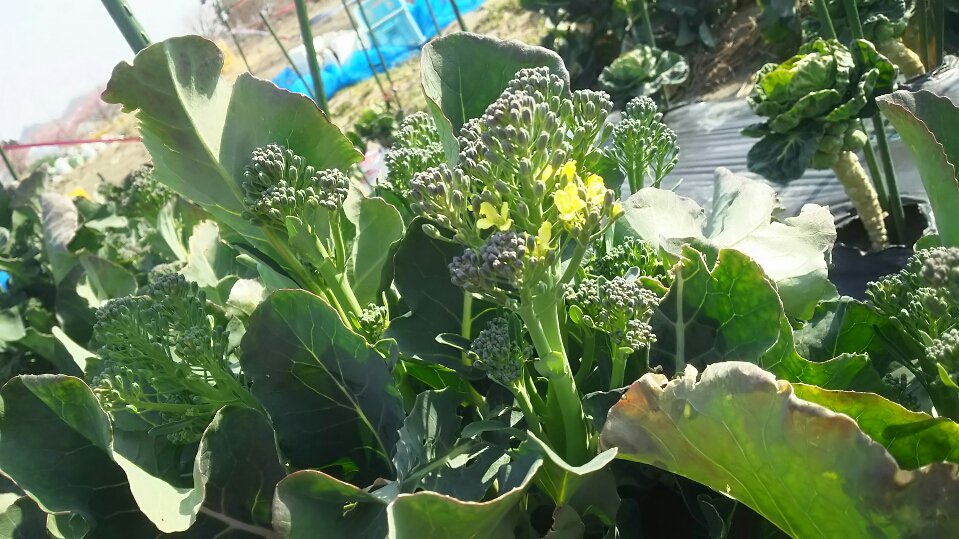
940 270
143 195
496 269
164 357
642 145
619 307
630 253
501 351
416 147
920 297
279 184
373 322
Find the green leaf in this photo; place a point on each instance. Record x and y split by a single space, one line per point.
428 432
429 514
643 71
590 488
927 124
783 157
60 220
914 439
56 443
11 325
741 432
311 504
103 280
464 73
331 397
236 473
729 310
20 517
200 131
378 227
422 277
792 252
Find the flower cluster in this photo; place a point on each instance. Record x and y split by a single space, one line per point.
619 307
501 351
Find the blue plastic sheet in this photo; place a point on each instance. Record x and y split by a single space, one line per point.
4 281
356 68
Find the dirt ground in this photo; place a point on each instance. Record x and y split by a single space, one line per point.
720 73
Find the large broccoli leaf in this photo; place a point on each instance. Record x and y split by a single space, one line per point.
927 124
201 131
793 252
331 396
809 470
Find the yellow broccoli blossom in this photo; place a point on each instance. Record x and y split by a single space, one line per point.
570 205
79 192
595 190
568 171
543 239
490 218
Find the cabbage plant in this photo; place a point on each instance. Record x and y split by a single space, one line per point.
813 103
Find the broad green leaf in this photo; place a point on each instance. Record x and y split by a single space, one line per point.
927 124
330 396
200 131
428 514
643 71
590 488
429 431
727 309
311 504
791 252
810 471
783 157
210 261
378 227
11 325
236 472
103 280
464 73
914 439
20 517
56 443
421 274
77 354
60 223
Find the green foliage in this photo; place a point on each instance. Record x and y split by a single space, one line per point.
416 147
376 124
643 71
165 357
812 102
642 145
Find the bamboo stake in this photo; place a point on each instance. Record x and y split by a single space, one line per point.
436 23
366 54
7 162
379 53
286 55
128 24
459 16
221 13
306 32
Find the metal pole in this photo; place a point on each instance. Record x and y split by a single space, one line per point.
7 162
306 32
366 53
286 55
436 23
459 16
128 24
379 53
236 42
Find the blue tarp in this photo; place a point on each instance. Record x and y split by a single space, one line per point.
356 69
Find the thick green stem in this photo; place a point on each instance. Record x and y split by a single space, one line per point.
825 20
902 56
892 186
574 263
526 406
128 25
545 330
922 11
860 191
618 375
466 324
588 359
852 18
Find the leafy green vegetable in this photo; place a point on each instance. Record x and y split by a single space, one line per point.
643 71
642 145
760 452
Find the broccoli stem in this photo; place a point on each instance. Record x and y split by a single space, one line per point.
544 327
466 324
518 389
588 358
905 59
863 197
619 367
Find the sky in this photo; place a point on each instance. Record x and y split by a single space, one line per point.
54 50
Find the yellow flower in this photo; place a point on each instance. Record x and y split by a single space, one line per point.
547 173
617 210
545 235
79 192
568 203
595 190
568 171
491 218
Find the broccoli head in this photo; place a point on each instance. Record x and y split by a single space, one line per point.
416 147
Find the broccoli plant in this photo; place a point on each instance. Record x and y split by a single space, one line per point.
643 71
642 145
922 301
813 103
416 147
520 197
165 357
